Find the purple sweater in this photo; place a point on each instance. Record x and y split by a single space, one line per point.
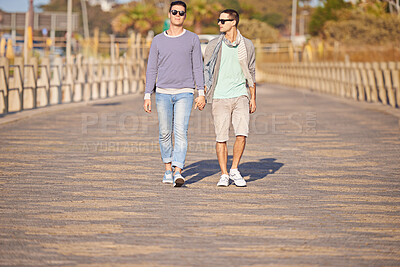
175 62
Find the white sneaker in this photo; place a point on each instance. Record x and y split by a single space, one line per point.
178 180
237 178
224 181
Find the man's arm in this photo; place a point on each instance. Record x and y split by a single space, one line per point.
252 69
151 76
252 61
252 98
197 60
208 53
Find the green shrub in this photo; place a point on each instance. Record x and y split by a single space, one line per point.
356 27
328 12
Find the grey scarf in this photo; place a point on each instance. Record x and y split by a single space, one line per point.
242 55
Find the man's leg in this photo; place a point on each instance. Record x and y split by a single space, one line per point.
222 155
164 110
168 166
238 149
240 122
221 111
182 109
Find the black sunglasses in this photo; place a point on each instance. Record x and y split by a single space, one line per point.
224 20
174 12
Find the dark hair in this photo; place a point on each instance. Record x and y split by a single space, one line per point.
177 3
233 14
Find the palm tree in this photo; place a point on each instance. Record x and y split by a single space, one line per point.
141 17
202 12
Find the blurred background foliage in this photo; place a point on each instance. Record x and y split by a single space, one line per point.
363 22
139 16
254 29
355 27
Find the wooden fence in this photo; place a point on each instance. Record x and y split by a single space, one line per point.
372 82
33 85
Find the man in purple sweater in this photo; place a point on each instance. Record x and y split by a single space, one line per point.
175 70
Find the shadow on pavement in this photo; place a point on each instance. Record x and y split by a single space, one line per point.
107 104
256 169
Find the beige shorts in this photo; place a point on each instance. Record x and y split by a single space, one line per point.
231 109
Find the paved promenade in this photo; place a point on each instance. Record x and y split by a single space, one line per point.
81 185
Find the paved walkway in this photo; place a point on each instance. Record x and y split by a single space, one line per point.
82 185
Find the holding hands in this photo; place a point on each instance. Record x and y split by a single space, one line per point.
200 102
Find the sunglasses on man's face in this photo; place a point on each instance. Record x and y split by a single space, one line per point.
224 20
174 12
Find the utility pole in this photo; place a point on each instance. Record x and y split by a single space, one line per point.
69 31
31 14
26 35
304 13
85 20
28 38
294 12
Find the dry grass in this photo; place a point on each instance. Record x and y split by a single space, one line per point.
332 52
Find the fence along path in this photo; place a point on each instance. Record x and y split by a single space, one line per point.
371 81
38 85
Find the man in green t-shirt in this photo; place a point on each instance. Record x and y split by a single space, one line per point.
230 82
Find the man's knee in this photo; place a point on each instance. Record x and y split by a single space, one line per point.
241 137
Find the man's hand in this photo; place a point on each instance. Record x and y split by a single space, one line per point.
200 102
147 105
252 105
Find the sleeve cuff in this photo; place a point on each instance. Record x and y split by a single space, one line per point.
147 96
201 93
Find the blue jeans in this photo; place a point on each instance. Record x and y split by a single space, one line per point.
173 116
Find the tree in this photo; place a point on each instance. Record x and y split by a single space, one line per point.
366 25
141 17
231 4
304 3
328 12
201 13
275 13
276 20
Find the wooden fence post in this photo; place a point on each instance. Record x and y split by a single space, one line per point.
372 82
15 86
388 73
396 83
43 86
4 71
77 79
104 79
379 68
92 78
359 81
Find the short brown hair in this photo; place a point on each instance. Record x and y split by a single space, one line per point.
177 3
233 14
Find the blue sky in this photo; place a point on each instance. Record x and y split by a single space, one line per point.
22 5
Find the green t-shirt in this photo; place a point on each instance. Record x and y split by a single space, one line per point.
231 81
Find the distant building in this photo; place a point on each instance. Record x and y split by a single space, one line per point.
106 5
